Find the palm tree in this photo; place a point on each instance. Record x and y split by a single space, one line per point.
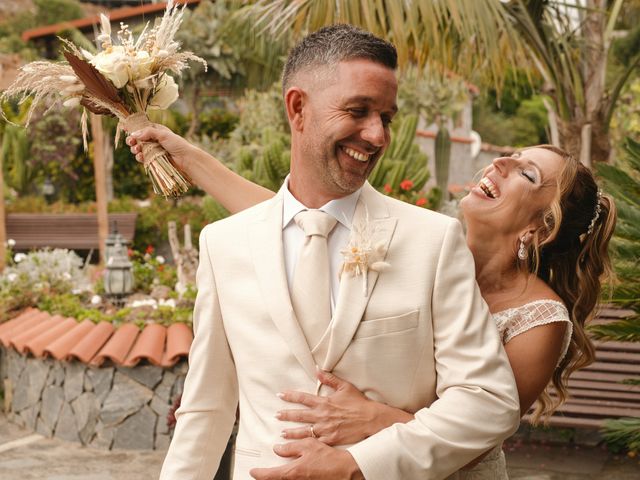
481 40
569 46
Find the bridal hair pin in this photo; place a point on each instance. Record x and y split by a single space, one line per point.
596 213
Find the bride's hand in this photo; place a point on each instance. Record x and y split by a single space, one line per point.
181 151
344 417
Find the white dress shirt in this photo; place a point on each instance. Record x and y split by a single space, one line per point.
342 209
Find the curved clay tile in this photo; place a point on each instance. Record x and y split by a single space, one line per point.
22 326
24 315
88 346
60 347
118 345
46 333
44 327
179 338
149 346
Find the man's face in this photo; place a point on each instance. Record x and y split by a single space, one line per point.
347 115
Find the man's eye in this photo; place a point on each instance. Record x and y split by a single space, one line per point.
358 112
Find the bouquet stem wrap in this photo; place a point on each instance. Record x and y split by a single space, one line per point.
165 177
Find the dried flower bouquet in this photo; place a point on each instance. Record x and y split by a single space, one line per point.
124 79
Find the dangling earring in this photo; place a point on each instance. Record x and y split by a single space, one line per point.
522 251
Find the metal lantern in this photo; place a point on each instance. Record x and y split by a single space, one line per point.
118 276
112 240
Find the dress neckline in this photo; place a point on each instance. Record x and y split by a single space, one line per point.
533 302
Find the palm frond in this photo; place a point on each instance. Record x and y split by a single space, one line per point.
463 36
626 330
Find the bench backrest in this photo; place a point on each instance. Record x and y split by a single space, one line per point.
78 231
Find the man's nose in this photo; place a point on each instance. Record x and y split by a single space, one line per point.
374 132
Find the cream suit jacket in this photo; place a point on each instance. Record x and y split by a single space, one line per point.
420 339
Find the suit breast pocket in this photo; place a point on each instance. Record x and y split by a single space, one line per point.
387 325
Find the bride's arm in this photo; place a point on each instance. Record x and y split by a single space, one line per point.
347 416
233 191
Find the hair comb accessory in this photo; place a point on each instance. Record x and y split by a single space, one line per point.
596 213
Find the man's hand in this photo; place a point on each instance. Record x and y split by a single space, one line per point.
313 460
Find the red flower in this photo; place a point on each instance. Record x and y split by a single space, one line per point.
387 188
130 252
421 202
406 184
149 249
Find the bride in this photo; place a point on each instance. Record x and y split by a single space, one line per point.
538 227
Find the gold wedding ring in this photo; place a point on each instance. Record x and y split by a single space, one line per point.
313 434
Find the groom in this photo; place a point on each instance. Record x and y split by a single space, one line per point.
271 305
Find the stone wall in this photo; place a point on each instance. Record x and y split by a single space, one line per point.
107 407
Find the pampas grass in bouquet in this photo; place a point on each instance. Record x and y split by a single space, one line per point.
125 79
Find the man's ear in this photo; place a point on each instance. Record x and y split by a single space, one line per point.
294 102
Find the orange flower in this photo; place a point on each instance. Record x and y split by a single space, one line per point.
421 202
149 249
387 188
406 184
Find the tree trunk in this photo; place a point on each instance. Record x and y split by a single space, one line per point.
195 110
3 228
594 62
108 160
97 133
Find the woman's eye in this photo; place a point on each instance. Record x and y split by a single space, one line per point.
529 176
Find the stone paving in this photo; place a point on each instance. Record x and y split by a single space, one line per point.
25 456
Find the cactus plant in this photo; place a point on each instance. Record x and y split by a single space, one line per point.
403 159
443 157
14 155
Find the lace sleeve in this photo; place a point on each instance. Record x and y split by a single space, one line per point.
514 321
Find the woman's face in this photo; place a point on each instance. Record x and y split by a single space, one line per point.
513 191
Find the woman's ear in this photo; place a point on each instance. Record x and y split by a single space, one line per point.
294 101
526 236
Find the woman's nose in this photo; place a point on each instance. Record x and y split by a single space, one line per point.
501 164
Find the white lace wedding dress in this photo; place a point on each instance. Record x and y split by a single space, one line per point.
513 322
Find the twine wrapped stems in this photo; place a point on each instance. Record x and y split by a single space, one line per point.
167 180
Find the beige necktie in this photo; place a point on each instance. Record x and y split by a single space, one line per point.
311 292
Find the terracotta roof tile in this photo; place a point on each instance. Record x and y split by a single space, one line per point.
37 333
118 345
149 346
43 324
22 324
43 334
26 314
63 344
179 338
87 348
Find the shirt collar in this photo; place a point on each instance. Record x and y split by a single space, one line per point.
342 209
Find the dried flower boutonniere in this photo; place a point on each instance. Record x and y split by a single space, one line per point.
362 255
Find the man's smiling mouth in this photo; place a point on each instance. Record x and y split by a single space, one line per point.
360 157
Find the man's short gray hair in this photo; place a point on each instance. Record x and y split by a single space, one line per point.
336 43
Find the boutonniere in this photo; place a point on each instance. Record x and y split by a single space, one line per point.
362 254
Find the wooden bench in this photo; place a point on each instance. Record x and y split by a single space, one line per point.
75 231
597 392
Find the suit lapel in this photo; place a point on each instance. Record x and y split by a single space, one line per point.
268 258
352 300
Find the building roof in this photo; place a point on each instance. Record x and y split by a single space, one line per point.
37 333
116 15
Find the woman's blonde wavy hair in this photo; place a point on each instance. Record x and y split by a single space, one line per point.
574 263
